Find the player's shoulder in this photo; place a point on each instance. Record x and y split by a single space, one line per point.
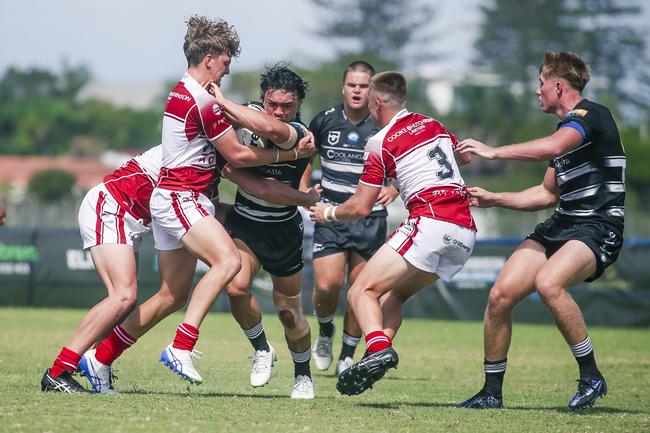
330 114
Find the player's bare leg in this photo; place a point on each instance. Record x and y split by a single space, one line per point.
247 313
384 271
515 282
391 302
351 330
116 266
570 265
329 278
177 269
207 240
288 304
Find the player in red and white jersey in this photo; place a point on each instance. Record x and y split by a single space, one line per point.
194 130
417 153
113 217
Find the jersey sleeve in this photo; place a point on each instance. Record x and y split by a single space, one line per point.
581 120
374 171
314 127
213 119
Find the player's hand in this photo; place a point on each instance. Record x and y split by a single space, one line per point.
318 212
469 145
215 91
3 215
314 195
387 195
479 197
306 147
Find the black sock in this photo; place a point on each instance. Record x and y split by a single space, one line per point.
257 337
494 373
301 369
588 367
301 362
350 344
326 329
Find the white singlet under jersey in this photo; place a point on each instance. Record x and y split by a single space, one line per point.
418 153
192 119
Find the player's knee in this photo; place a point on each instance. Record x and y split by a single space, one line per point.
548 290
500 300
173 302
287 318
237 291
231 266
289 310
125 300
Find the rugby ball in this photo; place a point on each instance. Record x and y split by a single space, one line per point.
247 137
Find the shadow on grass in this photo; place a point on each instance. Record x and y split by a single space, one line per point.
585 412
209 394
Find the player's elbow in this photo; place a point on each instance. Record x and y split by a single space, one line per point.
262 190
238 160
362 210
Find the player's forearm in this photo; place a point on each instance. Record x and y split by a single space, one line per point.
261 123
541 149
247 156
350 210
278 193
531 199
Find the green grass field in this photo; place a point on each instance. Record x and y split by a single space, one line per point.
440 364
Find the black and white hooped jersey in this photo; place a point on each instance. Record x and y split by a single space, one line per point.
341 146
591 177
289 172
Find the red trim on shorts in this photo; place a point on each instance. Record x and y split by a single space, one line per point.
119 225
408 242
199 206
99 226
179 211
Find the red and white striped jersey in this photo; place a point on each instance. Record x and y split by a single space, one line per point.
417 152
192 119
132 183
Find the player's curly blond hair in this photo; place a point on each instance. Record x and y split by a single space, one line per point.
206 36
567 65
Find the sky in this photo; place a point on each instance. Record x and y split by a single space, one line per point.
141 40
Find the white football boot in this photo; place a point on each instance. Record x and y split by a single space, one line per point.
262 365
303 388
180 362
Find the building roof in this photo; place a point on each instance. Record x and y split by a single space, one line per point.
18 170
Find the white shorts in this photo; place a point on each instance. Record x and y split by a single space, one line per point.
433 246
103 221
173 213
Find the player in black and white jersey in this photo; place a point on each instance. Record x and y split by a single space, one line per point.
586 182
341 133
270 236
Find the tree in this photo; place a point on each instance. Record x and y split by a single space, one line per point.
514 35
397 31
614 50
51 185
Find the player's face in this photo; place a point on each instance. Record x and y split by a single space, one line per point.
219 67
281 104
355 90
548 97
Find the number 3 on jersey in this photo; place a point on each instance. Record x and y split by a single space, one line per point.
446 171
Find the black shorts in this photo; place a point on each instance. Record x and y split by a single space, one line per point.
364 236
604 239
277 245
